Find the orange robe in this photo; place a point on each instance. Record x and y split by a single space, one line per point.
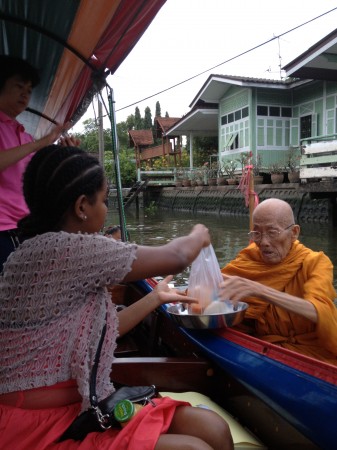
305 274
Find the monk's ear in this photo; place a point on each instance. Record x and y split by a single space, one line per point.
295 232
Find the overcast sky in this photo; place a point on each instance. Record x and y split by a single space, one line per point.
190 37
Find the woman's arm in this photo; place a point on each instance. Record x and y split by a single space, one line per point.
12 155
173 257
129 317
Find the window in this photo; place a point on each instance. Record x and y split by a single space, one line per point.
273 111
305 127
232 141
245 112
262 110
286 112
235 116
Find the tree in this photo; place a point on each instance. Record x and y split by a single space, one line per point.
138 120
203 148
147 119
158 110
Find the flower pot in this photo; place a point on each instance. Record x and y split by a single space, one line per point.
293 177
277 178
258 179
178 183
186 183
212 181
221 181
231 181
200 182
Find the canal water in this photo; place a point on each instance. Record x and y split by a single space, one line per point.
229 234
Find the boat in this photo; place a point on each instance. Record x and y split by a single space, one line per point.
295 389
285 399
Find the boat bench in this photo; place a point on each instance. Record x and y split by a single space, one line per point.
180 379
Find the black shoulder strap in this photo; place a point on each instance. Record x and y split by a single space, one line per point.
92 387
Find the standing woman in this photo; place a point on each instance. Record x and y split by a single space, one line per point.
17 80
54 303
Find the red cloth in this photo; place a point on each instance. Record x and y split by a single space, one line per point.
24 429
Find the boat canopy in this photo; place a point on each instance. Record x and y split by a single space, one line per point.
74 44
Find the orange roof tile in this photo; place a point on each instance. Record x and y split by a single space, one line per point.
141 137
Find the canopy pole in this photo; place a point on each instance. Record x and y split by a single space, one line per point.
252 199
115 151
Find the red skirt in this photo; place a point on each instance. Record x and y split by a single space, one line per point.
28 429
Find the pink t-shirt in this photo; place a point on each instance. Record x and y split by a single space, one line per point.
12 204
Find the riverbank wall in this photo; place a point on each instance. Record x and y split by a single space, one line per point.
311 203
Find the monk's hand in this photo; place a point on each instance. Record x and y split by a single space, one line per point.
166 294
235 289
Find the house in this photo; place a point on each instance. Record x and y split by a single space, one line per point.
143 142
264 116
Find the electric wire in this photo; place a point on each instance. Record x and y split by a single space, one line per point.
230 59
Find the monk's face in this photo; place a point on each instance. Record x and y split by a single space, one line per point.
277 236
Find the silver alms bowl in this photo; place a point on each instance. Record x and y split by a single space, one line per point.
229 318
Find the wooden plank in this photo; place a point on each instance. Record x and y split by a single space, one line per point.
318 172
176 374
324 159
320 147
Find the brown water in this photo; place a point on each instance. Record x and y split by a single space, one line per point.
229 234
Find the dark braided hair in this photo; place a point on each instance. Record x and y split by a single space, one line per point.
54 179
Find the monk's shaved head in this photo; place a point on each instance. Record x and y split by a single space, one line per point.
276 208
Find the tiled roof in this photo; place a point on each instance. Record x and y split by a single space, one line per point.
141 137
164 123
253 79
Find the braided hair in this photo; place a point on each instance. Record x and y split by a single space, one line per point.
54 179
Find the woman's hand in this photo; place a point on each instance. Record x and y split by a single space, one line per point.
164 294
203 231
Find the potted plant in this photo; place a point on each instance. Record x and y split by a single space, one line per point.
292 164
243 160
230 168
221 179
276 172
212 173
257 166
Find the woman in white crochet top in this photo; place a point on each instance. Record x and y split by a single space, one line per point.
54 303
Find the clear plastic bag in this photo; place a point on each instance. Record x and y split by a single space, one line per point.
204 279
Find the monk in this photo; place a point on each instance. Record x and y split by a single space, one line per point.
289 287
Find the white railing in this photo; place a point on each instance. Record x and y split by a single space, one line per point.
319 157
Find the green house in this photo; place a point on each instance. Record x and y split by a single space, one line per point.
267 117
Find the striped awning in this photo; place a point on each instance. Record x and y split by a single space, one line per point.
73 43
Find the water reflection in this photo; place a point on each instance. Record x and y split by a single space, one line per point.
229 234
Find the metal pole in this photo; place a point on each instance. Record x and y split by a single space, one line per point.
115 150
100 133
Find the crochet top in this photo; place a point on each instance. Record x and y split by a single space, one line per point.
53 306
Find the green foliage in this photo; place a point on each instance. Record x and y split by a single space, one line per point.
293 156
229 167
158 110
257 164
243 159
151 208
138 120
147 122
89 137
203 148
